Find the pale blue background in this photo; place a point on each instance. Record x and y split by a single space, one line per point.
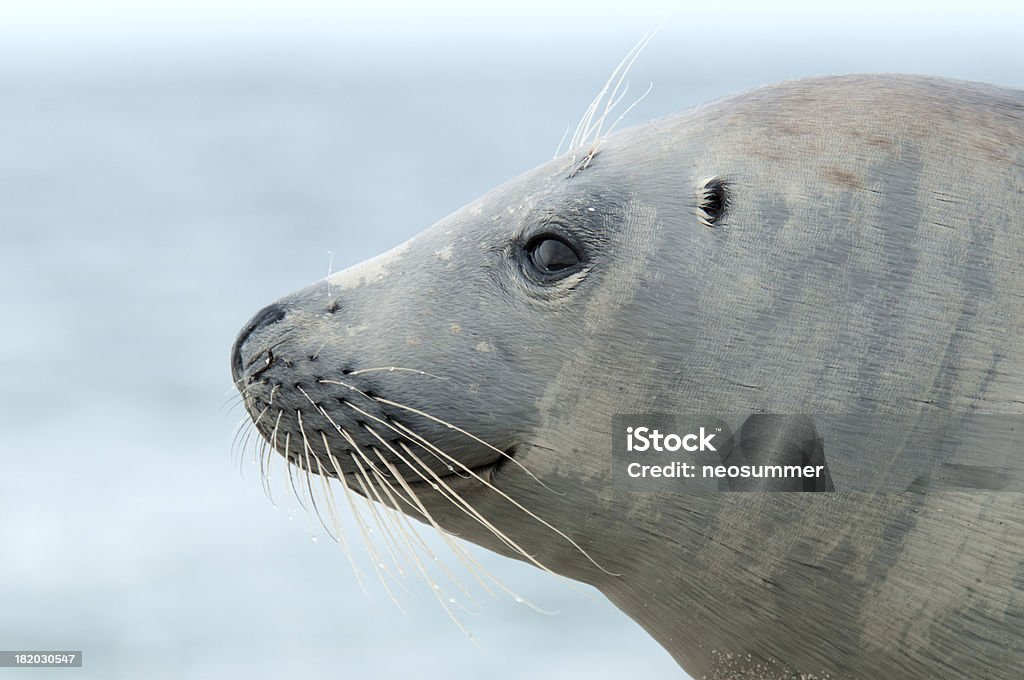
168 168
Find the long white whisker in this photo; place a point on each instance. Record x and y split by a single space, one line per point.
369 490
378 565
476 515
265 471
454 547
412 495
423 442
460 554
438 592
403 521
453 497
307 449
393 369
329 498
467 434
629 108
561 141
589 132
514 502
441 422
291 474
364 530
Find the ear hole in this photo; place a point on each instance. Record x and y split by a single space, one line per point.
712 201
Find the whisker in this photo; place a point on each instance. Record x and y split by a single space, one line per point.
364 530
439 480
329 499
437 590
369 490
241 429
240 446
423 442
445 536
404 525
504 495
451 495
307 448
233 401
450 426
291 475
308 470
463 505
395 517
248 428
561 141
382 483
590 126
315 355
412 495
629 108
378 565
392 369
441 422
265 459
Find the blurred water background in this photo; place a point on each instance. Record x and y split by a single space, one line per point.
160 180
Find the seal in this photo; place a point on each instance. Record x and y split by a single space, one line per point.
851 247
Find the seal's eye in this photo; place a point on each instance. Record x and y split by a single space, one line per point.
551 256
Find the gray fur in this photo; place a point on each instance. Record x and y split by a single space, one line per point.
869 269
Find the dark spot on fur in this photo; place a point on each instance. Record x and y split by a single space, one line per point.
879 142
843 178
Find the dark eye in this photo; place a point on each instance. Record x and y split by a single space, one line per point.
550 255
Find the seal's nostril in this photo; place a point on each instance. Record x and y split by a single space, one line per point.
270 314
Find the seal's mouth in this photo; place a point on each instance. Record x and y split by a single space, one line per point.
343 428
483 475
368 426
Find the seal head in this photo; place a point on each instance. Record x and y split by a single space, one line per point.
848 247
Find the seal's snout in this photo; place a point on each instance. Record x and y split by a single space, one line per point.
267 316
